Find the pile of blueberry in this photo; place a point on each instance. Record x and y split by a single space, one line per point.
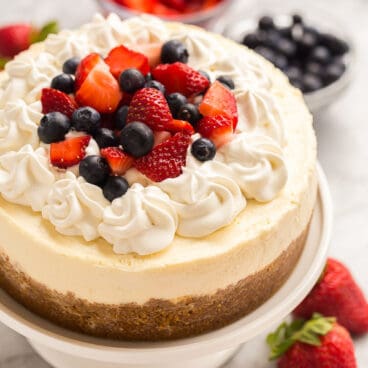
310 58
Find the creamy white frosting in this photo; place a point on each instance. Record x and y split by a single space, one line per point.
205 198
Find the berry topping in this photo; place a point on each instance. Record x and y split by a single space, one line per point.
219 100
219 129
156 85
266 23
176 126
160 137
173 51
84 68
121 58
121 117
190 112
118 160
63 83
203 149
226 81
166 160
176 101
131 80
149 106
179 77
105 138
56 101
71 65
53 127
137 139
86 119
115 187
100 89
69 152
94 169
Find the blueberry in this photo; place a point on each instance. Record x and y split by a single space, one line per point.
306 43
173 51
251 40
64 83
53 127
272 38
315 68
71 65
205 74
226 81
137 139
115 187
121 117
311 83
94 169
266 52
280 61
105 138
333 72
86 119
336 46
131 80
297 19
176 101
321 55
203 149
285 47
297 83
149 77
285 32
265 23
189 112
156 85
293 72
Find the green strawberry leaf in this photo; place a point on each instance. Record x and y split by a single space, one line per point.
3 61
41 35
307 332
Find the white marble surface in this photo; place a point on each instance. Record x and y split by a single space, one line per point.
343 151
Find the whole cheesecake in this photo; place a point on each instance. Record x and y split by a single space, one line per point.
197 241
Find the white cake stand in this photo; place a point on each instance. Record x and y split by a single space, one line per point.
65 349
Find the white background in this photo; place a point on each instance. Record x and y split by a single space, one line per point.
342 133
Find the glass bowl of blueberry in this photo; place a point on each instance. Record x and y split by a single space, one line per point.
310 47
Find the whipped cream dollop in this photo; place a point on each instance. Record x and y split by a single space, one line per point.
205 198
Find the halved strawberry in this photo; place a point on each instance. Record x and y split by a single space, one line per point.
121 58
219 100
179 77
180 126
161 137
118 160
100 90
84 68
69 152
165 160
54 100
219 129
151 50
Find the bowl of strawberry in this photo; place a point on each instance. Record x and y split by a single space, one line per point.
142 110
198 12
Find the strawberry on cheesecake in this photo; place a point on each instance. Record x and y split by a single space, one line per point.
157 180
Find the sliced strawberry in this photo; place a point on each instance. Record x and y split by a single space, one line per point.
84 68
149 106
219 100
118 160
161 137
54 100
151 50
179 77
121 58
165 160
100 90
180 126
69 152
219 129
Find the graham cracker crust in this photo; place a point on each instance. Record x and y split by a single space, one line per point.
157 319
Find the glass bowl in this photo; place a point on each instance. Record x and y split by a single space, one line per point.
203 18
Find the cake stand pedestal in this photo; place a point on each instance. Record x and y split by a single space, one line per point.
65 349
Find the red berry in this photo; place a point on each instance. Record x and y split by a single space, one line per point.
166 160
69 152
14 39
56 101
179 77
180 126
121 58
219 129
118 160
151 50
84 68
219 100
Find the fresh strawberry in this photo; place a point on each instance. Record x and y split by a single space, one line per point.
100 90
165 160
69 152
179 77
14 39
54 100
161 137
180 126
151 50
317 343
219 100
118 160
85 67
219 129
121 58
149 106
337 294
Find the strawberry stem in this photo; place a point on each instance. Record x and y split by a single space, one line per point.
41 35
